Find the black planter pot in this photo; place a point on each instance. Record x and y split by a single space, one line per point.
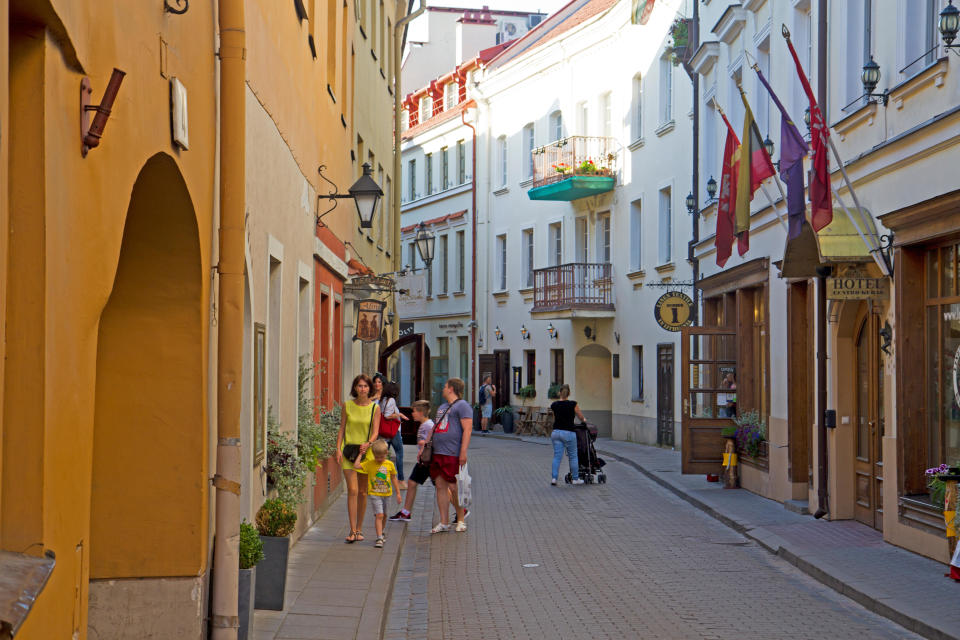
506 419
477 419
248 580
272 575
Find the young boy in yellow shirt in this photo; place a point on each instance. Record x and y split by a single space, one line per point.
381 484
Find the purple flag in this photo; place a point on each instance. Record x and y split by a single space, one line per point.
792 150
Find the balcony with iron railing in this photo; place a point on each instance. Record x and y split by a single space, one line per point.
575 167
575 290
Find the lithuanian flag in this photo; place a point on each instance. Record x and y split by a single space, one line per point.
755 167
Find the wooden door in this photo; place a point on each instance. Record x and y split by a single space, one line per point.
501 377
665 394
706 355
868 429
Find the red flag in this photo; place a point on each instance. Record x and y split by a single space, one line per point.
726 205
821 200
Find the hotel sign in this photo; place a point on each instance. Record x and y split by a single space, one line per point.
858 288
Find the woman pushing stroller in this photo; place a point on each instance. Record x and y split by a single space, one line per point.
564 436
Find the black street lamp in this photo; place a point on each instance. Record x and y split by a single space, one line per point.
768 145
712 188
806 117
365 192
691 203
425 243
949 24
871 78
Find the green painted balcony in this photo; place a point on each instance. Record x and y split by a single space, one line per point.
574 167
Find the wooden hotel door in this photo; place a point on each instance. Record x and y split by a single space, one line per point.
868 433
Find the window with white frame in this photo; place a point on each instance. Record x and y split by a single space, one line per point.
502 159
583 240
919 36
710 155
556 244
412 176
762 99
429 177
445 168
606 115
412 255
444 263
502 262
426 108
556 126
461 162
666 90
526 160
583 118
636 391
859 27
637 119
461 262
526 251
636 235
665 227
450 95
603 237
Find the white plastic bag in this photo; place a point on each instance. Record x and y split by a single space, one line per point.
463 487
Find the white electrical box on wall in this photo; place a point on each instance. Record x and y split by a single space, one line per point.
178 114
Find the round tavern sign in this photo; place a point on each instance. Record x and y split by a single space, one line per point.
673 310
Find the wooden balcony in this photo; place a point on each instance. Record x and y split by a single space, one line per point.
574 167
576 290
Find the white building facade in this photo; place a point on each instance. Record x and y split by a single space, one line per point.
890 359
568 287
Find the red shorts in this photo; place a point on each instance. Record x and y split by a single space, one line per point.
446 466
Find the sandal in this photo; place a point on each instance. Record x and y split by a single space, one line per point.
358 535
440 528
350 539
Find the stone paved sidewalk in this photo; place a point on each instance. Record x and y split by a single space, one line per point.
845 555
335 591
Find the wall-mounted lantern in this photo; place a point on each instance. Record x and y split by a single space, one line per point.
365 192
948 25
691 203
552 331
524 333
870 79
497 333
712 188
425 242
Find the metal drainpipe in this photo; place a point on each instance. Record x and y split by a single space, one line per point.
224 619
473 260
823 507
695 239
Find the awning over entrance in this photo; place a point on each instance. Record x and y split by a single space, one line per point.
837 243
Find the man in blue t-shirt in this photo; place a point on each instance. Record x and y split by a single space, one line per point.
451 438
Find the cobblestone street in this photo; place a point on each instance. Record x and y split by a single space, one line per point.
623 560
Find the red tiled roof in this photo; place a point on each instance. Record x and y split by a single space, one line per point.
571 15
444 116
438 220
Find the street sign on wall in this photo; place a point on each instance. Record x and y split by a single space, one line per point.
674 310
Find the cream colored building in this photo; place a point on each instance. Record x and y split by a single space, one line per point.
891 359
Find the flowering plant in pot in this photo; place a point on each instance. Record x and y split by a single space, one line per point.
751 433
562 168
587 166
276 520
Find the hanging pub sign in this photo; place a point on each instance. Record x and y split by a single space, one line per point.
856 287
674 310
369 320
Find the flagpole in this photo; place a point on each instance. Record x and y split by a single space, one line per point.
765 192
873 246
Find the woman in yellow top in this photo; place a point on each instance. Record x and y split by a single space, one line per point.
359 425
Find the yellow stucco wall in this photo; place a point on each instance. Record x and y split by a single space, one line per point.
67 235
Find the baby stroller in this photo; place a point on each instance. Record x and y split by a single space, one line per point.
589 463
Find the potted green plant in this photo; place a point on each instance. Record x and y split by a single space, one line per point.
505 413
251 552
275 522
679 40
286 471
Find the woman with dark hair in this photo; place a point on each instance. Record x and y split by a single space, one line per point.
386 398
359 424
563 436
